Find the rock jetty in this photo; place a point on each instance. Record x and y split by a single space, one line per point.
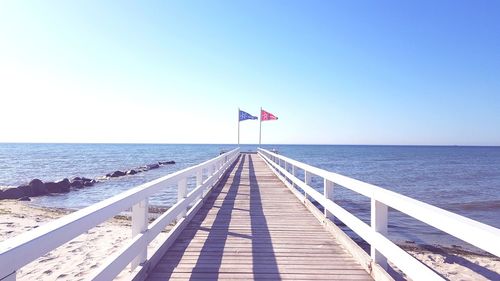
37 187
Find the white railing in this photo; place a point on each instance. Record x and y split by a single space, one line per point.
25 248
478 234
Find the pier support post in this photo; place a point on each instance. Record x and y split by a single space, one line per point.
328 193
379 224
181 194
140 225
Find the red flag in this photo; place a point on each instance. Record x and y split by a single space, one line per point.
266 116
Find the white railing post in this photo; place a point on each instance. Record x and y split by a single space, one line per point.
286 169
181 194
328 193
294 174
378 224
307 180
199 177
307 177
199 181
140 225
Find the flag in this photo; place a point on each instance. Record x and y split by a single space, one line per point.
266 116
246 116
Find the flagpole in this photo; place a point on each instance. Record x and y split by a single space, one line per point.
260 125
238 126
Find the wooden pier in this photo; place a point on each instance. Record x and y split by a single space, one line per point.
242 216
252 227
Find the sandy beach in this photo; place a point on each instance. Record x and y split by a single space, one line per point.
76 259
457 264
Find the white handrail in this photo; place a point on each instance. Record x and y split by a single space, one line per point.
26 247
478 234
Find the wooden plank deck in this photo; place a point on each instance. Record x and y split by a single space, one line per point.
253 228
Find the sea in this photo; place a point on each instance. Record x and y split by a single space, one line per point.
461 179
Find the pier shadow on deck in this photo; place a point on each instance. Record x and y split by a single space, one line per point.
252 228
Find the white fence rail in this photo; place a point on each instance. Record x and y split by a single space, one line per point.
478 234
25 248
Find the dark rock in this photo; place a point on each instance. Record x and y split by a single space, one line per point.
26 190
153 166
37 188
76 179
52 187
77 183
84 179
166 162
64 183
25 198
116 174
35 182
12 193
131 172
62 186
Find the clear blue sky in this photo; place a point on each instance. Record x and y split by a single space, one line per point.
334 72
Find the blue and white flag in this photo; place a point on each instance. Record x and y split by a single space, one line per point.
246 116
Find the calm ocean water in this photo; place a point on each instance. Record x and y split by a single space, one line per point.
464 180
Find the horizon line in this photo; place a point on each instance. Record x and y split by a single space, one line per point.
319 144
